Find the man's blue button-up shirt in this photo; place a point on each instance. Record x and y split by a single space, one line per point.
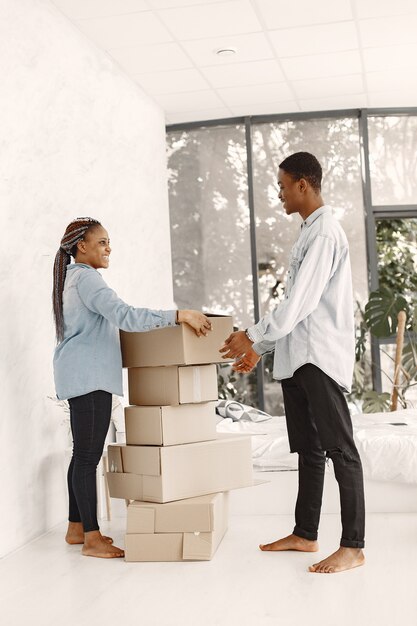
315 322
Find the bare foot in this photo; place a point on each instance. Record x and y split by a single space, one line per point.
342 559
95 545
75 534
292 542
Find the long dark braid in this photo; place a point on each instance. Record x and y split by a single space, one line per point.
74 232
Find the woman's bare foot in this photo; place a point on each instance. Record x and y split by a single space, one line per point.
292 542
342 559
75 534
95 545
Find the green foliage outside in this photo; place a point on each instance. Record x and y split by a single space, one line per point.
397 260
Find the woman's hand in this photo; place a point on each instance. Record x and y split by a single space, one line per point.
198 321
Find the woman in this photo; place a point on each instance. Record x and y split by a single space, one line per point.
88 364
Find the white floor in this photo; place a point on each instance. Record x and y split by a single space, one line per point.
49 583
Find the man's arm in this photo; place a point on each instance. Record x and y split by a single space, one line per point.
314 274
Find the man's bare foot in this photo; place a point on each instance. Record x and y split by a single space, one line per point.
292 542
342 559
75 534
95 545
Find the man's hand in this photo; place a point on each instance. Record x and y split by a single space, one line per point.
236 345
246 363
239 346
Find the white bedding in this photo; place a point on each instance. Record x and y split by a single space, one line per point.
388 452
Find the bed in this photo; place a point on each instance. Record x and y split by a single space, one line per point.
387 444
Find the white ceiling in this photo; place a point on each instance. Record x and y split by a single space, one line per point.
303 55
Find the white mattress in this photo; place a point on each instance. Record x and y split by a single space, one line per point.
388 452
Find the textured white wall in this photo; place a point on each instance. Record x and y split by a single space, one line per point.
77 138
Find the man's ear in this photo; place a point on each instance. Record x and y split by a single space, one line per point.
302 185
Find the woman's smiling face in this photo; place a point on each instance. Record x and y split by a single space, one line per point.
94 249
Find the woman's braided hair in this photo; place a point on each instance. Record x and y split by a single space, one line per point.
74 233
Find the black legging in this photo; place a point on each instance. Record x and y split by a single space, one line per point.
90 419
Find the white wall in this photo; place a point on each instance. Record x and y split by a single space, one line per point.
77 138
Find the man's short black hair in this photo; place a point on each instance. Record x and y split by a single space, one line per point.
303 165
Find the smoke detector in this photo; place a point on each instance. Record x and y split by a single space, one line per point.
226 51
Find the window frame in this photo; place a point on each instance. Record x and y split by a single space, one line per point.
372 212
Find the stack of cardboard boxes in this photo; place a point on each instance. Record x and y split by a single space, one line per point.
174 466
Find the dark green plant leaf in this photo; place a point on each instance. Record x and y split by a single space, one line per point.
374 402
409 361
382 310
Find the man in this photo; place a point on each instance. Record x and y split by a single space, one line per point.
312 333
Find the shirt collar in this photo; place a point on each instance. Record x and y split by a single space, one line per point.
74 265
313 216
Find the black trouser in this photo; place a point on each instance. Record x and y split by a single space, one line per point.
90 419
319 426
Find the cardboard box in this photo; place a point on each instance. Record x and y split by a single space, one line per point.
125 486
170 425
167 473
160 386
114 458
191 529
175 345
202 514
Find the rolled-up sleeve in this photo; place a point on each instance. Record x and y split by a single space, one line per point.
99 298
314 273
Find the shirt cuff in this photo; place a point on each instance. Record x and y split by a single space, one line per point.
170 317
257 347
255 334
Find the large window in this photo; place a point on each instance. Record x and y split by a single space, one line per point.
231 239
393 159
336 144
210 227
392 222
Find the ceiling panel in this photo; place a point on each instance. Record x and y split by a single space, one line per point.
81 9
199 115
293 42
388 31
142 59
400 80
390 57
238 74
284 14
349 101
125 30
268 108
328 87
171 4
208 20
321 65
289 57
251 47
189 101
393 98
273 92
380 8
177 81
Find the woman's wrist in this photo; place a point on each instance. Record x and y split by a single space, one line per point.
181 316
